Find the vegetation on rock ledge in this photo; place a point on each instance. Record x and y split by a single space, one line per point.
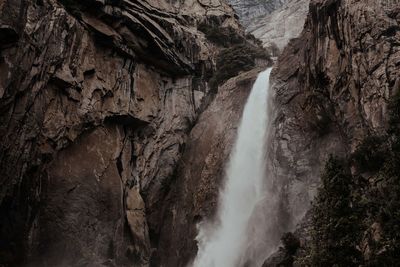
239 52
335 220
356 218
231 61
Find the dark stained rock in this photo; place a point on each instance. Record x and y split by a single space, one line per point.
128 120
82 219
97 99
8 35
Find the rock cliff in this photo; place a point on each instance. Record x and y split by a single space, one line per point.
277 28
117 118
252 10
97 101
274 22
332 87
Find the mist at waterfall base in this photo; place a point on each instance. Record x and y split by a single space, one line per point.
239 235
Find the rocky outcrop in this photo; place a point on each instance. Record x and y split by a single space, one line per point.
332 88
277 28
274 22
97 101
250 11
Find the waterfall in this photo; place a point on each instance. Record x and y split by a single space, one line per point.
224 242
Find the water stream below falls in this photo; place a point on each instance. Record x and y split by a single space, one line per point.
229 240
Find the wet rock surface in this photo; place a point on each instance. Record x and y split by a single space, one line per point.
194 194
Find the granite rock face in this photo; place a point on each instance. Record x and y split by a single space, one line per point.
277 28
110 151
97 101
274 22
252 10
332 87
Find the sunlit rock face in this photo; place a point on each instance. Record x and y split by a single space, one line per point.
274 22
251 10
283 24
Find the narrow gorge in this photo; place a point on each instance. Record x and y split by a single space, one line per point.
204 133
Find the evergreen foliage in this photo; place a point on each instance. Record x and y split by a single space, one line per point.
370 154
239 52
73 7
335 220
356 222
383 198
223 36
231 61
290 245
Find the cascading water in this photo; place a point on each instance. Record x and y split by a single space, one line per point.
222 243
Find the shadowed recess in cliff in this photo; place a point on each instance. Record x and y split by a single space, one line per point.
226 241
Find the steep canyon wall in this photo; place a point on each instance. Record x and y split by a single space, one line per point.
113 140
332 86
97 101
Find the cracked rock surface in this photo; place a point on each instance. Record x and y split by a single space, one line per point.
97 101
281 25
332 86
274 22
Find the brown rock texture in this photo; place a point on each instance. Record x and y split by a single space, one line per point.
113 146
332 86
194 194
97 101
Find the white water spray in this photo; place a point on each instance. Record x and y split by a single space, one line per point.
222 244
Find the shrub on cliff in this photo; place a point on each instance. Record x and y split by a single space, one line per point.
73 7
370 154
353 214
223 36
274 49
383 199
253 39
290 246
384 210
335 230
231 61
239 51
